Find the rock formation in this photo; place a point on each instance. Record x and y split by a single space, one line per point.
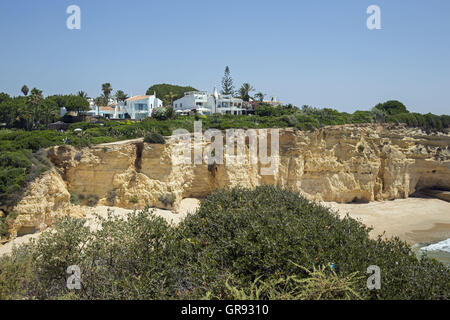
338 163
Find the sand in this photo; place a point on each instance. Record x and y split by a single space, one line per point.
415 220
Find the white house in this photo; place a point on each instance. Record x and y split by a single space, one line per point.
204 103
138 107
197 100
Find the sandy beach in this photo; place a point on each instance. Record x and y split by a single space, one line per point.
414 220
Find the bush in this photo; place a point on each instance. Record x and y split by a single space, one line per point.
74 199
155 138
134 200
167 199
111 198
92 200
266 243
256 233
3 227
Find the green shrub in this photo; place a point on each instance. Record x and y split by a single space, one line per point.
167 199
92 200
74 199
3 227
111 198
266 243
254 233
155 138
133 200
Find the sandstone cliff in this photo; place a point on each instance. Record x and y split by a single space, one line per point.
339 163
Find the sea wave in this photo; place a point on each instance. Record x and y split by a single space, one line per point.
440 246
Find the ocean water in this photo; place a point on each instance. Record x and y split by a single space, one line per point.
440 246
439 251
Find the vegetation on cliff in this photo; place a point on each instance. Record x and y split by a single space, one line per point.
266 243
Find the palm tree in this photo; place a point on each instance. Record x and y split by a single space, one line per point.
25 90
244 91
49 110
107 89
260 96
82 94
34 101
170 96
121 96
27 113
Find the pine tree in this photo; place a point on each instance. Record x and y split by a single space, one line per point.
227 82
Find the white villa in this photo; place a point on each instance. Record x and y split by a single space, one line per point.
138 107
135 108
203 103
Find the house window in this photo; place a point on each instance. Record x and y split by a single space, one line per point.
140 107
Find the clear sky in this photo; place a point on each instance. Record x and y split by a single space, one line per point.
313 52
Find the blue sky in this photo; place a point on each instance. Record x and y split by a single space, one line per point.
311 52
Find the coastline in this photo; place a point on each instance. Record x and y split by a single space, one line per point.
418 221
414 220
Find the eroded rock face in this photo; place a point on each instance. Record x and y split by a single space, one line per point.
338 163
46 199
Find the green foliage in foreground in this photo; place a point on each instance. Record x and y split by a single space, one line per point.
266 243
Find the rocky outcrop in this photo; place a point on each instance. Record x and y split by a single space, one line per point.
338 163
46 199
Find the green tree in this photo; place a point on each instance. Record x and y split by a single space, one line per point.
163 91
83 94
34 102
260 96
101 101
170 97
50 110
244 91
25 90
10 109
76 103
392 107
227 82
378 115
107 89
121 96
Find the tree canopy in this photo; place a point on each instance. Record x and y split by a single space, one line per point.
167 92
392 107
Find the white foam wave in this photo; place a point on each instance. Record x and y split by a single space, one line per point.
440 246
